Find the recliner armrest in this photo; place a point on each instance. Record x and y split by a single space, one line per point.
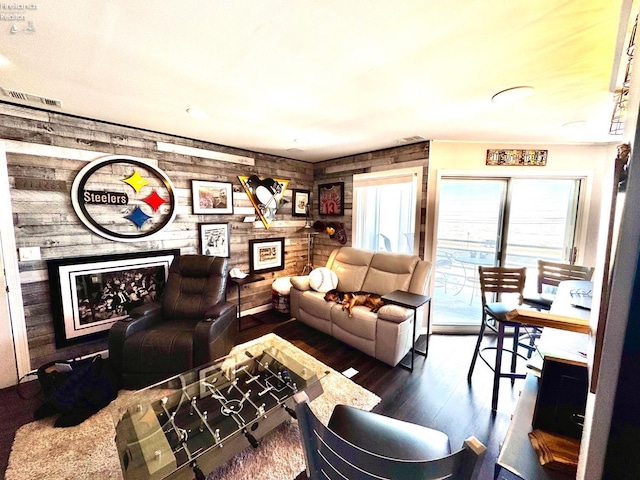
145 310
221 322
141 318
219 310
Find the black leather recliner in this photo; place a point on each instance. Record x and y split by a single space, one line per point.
193 325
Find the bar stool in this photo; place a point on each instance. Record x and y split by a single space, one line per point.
500 280
551 274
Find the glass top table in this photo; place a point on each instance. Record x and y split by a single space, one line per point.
196 421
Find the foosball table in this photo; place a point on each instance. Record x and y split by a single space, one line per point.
196 421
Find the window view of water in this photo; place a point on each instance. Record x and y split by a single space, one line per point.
472 217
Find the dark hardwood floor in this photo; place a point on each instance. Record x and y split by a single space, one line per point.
435 395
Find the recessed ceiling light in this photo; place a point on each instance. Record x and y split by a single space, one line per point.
4 61
196 112
577 125
510 94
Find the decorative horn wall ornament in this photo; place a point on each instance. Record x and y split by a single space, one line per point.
265 195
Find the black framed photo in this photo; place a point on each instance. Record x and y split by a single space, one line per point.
212 197
331 199
89 294
214 239
266 255
299 201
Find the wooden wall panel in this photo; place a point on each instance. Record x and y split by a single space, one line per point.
41 179
343 169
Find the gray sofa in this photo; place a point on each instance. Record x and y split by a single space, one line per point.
385 335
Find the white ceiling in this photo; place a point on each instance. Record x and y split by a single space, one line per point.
321 79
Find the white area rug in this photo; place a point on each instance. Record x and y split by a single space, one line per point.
40 451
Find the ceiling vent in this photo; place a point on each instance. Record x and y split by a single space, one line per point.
414 139
27 97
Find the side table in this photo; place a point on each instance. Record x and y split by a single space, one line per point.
412 301
239 283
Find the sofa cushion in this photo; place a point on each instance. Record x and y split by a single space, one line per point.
323 279
395 313
362 324
351 266
389 272
301 283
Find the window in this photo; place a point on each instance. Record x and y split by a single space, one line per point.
385 210
497 221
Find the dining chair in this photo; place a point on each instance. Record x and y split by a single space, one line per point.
550 274
361 445
500 281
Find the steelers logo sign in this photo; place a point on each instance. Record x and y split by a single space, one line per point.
122 198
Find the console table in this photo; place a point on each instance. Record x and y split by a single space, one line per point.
239 282
412 301
196 421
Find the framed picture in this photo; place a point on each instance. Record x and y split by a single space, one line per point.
299 201
266 255
331 198
89 294
214 239
212 197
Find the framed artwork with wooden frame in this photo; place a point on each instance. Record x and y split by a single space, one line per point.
266 255
214 239
331 199
212 197
299 201
89 294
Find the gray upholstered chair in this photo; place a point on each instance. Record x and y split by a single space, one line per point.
192 325
361 445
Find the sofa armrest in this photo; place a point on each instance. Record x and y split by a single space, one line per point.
301 283
394 313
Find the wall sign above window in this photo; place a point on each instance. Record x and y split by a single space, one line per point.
517 157
124 199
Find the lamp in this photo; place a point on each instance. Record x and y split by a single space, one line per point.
310 232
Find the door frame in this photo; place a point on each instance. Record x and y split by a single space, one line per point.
17 326
582 213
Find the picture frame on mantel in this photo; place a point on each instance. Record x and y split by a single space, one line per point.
299 201
331 199
266 255
211 197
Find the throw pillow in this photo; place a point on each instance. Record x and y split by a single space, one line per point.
323 279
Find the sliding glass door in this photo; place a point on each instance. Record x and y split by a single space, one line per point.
505 221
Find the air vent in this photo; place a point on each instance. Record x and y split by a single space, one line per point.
27 97
415 138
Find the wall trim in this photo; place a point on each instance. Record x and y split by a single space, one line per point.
12 273
202 153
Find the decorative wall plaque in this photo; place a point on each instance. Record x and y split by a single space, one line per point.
265 194
536 158
123 198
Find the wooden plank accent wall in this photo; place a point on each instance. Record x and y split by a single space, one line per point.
343 169
45 153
